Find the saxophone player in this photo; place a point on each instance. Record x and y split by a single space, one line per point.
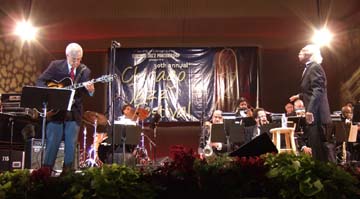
206 147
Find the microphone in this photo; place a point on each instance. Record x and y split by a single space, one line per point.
116 43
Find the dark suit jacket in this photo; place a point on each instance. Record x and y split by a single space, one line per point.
314 93
58 70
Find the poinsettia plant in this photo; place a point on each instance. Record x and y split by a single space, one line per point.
186 175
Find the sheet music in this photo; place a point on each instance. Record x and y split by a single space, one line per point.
71 100
353 133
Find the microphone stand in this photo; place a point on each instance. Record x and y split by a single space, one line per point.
11 120
156 118
43 133
114 45
154 142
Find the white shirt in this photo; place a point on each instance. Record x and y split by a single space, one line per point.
125 121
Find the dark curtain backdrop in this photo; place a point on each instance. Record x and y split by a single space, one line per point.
185 84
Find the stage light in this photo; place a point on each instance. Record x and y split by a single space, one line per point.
322 37
25 30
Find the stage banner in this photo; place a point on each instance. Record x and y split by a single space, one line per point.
184 84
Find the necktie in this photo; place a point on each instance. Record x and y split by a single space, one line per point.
306 67
72 74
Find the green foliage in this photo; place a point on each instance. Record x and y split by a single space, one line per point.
302 177
14 184
268 176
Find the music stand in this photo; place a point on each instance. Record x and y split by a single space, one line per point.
260 145
247 121
356 115
299 121
42 98
237 134
218 133
127 134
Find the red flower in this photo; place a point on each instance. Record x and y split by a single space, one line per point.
42 174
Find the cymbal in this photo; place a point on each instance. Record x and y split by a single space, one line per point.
90 117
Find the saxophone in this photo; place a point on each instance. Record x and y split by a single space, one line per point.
208 151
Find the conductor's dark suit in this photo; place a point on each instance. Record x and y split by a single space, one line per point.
314 95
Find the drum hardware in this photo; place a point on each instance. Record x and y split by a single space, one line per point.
155 121
94 119
83 154
90 117
137 115
91 161
141 153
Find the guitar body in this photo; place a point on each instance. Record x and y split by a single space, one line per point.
66 82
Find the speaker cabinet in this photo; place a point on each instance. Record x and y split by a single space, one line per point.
10 160
33 155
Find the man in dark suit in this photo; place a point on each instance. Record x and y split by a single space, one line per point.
66 123
205 137
314 94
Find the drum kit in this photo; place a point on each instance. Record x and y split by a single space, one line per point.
91 158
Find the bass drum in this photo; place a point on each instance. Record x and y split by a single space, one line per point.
105 153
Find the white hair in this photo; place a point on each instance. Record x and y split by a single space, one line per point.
218 112
73 48
314 51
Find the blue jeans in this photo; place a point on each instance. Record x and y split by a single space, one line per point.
54 134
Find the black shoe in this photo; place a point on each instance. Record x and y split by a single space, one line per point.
66 171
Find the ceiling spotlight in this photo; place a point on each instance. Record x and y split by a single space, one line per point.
322 37
25 30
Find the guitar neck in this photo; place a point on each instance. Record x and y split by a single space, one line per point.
82 84
105 78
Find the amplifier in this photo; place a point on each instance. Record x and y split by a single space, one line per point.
16 158
33 155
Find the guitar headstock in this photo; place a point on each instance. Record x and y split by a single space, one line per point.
107 78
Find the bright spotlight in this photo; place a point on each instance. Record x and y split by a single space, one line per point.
26 31
322 37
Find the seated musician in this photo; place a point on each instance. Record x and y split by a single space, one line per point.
261 126
128 116
206 147
289 109
346 114
352 148
299 108
243 108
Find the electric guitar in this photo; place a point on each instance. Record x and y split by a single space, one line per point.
67 83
